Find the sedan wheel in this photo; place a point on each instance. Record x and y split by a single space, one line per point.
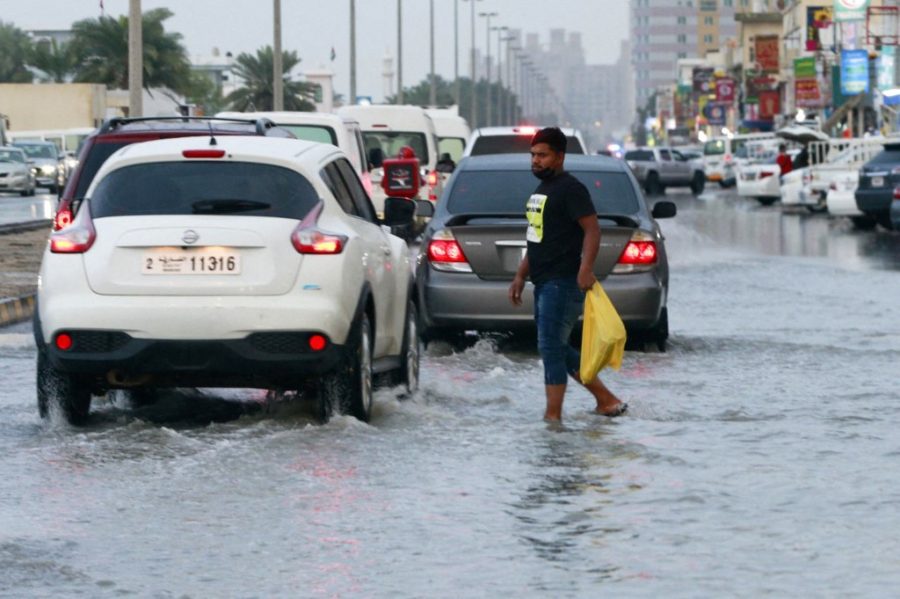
411 350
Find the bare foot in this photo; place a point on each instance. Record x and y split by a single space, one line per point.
617 409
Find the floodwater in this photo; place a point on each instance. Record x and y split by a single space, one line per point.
759 456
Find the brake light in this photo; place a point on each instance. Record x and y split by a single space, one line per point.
445 253
63 341
317 342
765 174
432 178
897 193
309 240
640 254
62 219
75 238
525 130
203 153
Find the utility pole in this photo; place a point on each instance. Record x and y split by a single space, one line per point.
277 68
399 51
473 114
352 99
432 92
456 53
135 60
487 89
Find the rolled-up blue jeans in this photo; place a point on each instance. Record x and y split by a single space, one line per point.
557 305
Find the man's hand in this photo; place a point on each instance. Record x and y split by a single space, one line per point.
515 291
586 278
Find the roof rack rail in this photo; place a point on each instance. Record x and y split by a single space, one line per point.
263 124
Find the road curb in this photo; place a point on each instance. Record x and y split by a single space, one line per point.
30 225
16 309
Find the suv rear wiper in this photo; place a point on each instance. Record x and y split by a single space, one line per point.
226 206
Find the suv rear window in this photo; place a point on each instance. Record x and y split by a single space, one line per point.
515 144
890 155
239 188
488 192
715 147
390 143
92 163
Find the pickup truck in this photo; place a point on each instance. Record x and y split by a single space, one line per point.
661 167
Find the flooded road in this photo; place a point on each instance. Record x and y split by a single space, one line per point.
758 457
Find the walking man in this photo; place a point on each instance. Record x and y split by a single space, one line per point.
563 242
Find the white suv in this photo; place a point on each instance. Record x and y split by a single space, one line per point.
226 262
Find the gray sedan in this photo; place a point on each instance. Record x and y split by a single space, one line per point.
476 239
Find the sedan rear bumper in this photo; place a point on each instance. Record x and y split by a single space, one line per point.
874 201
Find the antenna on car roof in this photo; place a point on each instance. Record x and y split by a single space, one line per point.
212 137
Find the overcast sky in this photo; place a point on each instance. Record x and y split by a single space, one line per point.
313 27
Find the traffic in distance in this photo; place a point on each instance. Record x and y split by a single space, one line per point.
319 252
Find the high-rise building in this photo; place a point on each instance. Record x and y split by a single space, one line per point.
663 31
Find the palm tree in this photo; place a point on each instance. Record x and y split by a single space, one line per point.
14 50
257 75
103 44
56 60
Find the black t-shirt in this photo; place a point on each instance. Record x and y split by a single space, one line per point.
554 235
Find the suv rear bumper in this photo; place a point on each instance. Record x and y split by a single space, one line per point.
874 201
259 360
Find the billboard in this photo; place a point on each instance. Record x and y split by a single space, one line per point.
725 88
767 52
850 10
817 17
886 67
854 72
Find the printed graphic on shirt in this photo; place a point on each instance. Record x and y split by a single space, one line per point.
534 212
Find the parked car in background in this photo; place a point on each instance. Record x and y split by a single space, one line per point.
119 132
15 171
516 140
660 167
228 262
878 180
841 198
386 130
48 166
452 130
722 156
830 161
473 245
760 180
322 127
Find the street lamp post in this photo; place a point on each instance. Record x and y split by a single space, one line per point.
352 98
501 101
277 67
473 107
487 39
432 91
399 51
456 53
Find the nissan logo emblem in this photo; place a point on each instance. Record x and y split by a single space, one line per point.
190 236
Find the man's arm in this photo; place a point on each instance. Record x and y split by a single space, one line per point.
518 283
589 250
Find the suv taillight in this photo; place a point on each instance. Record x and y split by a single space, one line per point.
62 219
897 193
640 254
76 238
445 253
310 240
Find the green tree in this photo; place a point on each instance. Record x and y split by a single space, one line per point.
257 74
102 44
205 94
15 47
420 95
56 60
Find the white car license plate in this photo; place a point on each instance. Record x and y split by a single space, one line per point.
218 262
877 181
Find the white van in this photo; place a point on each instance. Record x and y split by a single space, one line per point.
723 155
452 131
386 129
323 127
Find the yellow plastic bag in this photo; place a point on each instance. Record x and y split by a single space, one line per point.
603 335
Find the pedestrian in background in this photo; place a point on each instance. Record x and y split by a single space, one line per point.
563 242
783 160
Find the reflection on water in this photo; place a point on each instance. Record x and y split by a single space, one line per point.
16 209
743 223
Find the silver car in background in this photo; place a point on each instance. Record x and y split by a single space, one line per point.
15 171
473 245
48 168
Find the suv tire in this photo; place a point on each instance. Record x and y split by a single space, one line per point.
58 390
349 386
654 187
698 183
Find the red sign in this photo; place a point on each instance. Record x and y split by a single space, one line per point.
806 93
769 104
725 90
767 52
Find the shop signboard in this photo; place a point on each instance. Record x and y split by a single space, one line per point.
886 73
854 72
769 104
715 113
817 18
767 52
850 10
725 89
703 77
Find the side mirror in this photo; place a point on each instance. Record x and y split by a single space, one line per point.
398 212
664 209
376 157
424 208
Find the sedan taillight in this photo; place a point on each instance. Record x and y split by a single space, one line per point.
445 253
640 254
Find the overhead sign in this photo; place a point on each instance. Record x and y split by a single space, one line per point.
805 67
769 104
807 92
886 73
854 72
767 52
715 113
702 78
850 10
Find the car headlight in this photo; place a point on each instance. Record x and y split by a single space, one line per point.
48 169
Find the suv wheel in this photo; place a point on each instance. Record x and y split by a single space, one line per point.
411 350
698 184
654 187
58 390
349 386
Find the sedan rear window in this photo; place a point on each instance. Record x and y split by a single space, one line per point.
890 155
486 192
515 144
239 188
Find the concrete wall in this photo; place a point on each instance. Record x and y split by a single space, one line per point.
52 105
